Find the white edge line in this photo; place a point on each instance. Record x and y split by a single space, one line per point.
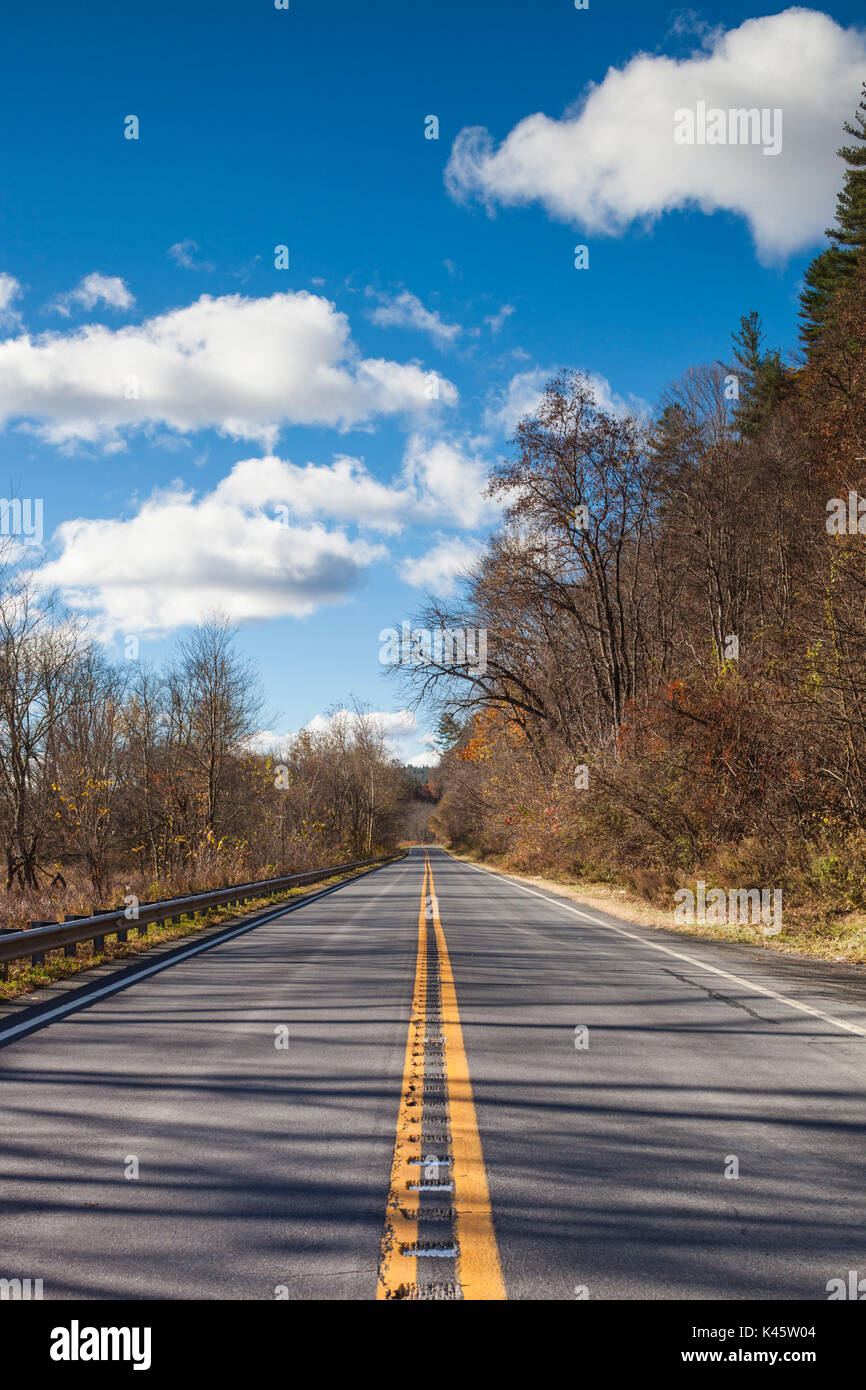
678 955
27 1025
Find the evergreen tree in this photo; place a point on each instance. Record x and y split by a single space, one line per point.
822 278
761 377
448 732
849 235
834 266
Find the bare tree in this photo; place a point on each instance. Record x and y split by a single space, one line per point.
39 650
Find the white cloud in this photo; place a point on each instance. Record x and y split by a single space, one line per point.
269 741
686 23
405 310
342 491
522 396
611 401
451 480
95 289
10 289
400 729
243 366
438 569
183 254
430 758
441 481
495 321
613 159
181 557
259 545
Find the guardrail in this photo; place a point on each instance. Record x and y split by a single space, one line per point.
35 942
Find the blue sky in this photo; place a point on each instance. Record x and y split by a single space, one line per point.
145 415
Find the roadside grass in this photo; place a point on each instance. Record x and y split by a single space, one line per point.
839 938
24 978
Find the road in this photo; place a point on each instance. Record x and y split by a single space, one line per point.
441 1083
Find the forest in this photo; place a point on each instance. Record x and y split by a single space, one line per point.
123 778
675 610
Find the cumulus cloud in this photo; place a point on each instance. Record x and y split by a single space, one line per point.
429 758
182 556
94 289
520 397
523 393
403 736
268 541
243 366
612 159
441 481
343 491
439 568
450 478
405 310
611 401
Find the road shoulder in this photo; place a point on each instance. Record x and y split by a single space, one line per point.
798 976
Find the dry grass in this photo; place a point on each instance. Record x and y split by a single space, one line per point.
24 978
841 939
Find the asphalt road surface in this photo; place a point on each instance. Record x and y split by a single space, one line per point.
437 1084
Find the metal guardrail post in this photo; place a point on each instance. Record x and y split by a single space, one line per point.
99 941
4 967
39 957
70 950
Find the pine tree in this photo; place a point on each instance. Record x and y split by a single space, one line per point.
448 732
849 235
834 266
822 278
761 377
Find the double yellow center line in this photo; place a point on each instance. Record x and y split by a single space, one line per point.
479 1275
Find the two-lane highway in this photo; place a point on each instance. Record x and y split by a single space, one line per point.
437 1079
